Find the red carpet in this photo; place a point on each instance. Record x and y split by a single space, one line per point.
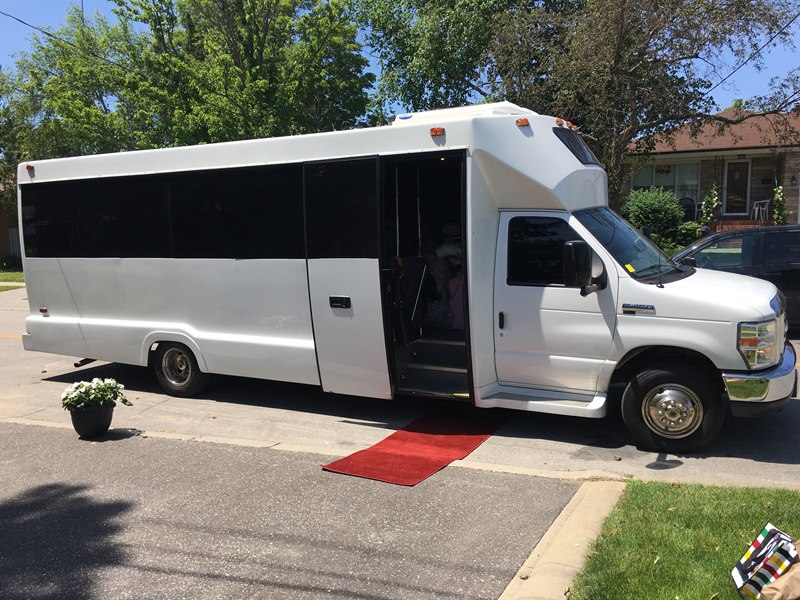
421 448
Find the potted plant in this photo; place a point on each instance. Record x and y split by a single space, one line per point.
91 405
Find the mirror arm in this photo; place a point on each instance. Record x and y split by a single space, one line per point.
589 289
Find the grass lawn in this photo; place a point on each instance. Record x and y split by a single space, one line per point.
15 276
5 288
680 542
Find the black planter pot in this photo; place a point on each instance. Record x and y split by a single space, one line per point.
92 421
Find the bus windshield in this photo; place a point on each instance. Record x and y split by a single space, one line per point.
629 247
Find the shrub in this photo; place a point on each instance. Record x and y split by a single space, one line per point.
780 216
11 263
687 233
656 209
711 205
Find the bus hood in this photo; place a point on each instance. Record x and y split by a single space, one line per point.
703 295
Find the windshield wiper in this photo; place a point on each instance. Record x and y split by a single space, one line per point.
655 269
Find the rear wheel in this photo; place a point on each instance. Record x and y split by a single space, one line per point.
177 371
674 407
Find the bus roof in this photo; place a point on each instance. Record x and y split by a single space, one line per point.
462 112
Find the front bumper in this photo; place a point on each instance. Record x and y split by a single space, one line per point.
752 394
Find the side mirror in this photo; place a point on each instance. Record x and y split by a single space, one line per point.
689 261
646 231
578 266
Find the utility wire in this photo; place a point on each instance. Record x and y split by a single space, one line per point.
754 54
67 42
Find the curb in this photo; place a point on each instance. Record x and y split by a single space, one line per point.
558 557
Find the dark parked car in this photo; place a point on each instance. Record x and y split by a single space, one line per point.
771 253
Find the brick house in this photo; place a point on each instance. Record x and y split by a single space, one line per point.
747 161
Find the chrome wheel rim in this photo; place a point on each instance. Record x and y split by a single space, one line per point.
672 411
176 367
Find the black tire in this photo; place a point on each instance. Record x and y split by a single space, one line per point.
673 407
177 371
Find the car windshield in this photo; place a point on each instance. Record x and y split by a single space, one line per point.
629 247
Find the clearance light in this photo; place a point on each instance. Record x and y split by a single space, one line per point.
523 122
29 168
570 125
574 128
559 121
43 310
437 131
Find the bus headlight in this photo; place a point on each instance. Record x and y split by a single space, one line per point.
759 344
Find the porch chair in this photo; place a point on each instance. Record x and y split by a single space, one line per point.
760 211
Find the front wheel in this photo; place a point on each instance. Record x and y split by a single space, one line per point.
674 407
177 371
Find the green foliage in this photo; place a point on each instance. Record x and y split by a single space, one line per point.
11 264
679 541
176 72
687 233
619 71
780 215
12 274
711 207
98 392
656 209
431 54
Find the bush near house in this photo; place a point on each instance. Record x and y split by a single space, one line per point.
658 210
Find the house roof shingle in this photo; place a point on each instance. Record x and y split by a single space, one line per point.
764 131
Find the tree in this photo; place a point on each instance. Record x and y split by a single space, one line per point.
189 72
633 71
431 54
623 71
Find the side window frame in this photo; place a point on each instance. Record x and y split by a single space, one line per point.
512 265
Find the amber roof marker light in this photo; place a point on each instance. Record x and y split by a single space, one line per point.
523 122
437 131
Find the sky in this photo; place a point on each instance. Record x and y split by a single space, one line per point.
15 37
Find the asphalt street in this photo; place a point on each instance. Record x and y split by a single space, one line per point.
141 517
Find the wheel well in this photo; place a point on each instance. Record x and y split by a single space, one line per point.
189 345
638 359
154 347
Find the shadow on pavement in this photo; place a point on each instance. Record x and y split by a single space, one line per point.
53 538
772 438
114 435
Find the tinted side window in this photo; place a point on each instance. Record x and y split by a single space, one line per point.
76 219
536 250
576 145
782 247
729 253
44 222
342 209
268 212
202 216
144 217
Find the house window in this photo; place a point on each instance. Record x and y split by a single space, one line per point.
682 179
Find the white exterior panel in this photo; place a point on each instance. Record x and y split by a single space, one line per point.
248 317
350 341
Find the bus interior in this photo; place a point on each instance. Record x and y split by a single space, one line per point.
423 273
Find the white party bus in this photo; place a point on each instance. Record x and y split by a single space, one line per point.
465 253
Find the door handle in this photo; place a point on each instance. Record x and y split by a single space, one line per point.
501 319
340 301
